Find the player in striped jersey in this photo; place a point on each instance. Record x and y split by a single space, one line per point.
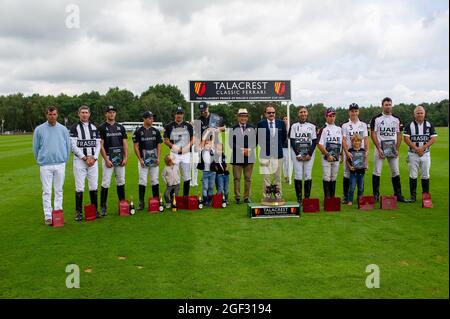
85 141
386 136
303 143
330 145
419 135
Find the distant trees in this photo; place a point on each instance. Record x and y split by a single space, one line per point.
24 113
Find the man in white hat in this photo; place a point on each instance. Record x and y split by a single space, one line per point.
243 144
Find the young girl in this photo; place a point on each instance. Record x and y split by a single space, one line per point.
209 176
220 167
171 176
357 166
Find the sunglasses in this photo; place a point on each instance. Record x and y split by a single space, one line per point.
270 113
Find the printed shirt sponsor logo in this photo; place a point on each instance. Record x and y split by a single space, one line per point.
86 143
200 88
280 88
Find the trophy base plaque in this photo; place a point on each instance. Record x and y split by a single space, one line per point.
260 210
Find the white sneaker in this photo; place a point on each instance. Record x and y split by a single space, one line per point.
168 206
48 221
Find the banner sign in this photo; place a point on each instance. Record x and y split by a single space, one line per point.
290 209
240 90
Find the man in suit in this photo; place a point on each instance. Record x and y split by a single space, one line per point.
242 141
271 136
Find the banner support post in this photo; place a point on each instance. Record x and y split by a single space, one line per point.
289 144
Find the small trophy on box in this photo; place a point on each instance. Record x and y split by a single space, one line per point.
272 195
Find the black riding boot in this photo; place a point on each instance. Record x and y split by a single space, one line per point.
78 206
93 196
141 197
425 185
298 189
376 187
326 189
121 192
398 189
308 184
413 188
332 188
103 199
155 190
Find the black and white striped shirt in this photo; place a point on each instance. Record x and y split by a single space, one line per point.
420 133
85 140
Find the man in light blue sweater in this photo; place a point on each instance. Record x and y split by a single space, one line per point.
51 148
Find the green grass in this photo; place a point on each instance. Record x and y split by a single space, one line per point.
221 253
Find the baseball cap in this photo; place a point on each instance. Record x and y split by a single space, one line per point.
147 114
353 106
179 110
110 108
242 111
202 106
329 111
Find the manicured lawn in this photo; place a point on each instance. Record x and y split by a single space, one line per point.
221 253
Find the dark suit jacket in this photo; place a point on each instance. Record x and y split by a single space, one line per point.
241 140
280 137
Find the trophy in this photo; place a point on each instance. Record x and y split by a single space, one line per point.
272 195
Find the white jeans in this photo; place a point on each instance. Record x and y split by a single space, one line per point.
143 174
378 165
287 169
81 170
52 175
184 161
330 170
302 169
419 164
119 171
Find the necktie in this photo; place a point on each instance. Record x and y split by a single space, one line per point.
271 129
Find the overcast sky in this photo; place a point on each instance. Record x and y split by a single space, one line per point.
335 51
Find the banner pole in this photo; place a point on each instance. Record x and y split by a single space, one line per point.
193 147
289 145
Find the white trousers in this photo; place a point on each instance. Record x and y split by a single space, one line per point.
52 176
302 169
378 165
287 169
143 174
81 170
419 164
119 171
184 161
330 170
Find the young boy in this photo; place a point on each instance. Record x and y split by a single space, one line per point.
357 166
171 176
209 175
220 167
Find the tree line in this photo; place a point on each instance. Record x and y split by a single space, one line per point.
24 113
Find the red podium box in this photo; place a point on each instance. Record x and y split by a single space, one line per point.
58 218
124 208
193 202
332 204
388 202
366 202
182 202
217 201
426 200
153 205
90 212
311 205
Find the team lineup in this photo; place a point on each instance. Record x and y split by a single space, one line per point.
283 147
